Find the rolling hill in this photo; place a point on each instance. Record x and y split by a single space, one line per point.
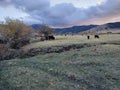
84 28
106 27
74 29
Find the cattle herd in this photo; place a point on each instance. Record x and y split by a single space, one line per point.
50 37
95 36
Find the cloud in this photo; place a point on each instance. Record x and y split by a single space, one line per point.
100 3
4 3
66 14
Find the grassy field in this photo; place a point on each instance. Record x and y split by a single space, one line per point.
90 68
76 39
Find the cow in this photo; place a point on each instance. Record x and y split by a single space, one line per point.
50 37
88 37
96 36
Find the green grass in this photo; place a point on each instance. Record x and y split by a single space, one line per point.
91 68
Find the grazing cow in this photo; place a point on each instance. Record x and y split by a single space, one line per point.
51 37
88 37
96 36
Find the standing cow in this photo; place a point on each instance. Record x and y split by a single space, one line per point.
88 37
96 36
50 37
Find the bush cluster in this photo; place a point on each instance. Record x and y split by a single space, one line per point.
15 33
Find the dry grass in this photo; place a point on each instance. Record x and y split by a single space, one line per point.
76 39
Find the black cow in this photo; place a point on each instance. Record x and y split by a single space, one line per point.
51 37
96 36
88 37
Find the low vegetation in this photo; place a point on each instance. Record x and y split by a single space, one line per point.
70 62
90 68
16 33
76 39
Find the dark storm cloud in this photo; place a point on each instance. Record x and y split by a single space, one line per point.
65 14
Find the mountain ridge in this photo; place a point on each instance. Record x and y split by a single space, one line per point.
83 28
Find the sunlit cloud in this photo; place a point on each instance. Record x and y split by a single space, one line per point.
100 3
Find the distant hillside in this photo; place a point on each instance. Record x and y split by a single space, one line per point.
37 26
106 27
84 28
74 29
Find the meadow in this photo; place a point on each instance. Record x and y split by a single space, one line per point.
76 39
96 67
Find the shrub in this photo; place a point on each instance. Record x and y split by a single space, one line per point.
16 32
6 53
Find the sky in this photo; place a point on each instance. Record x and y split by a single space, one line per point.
61 13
